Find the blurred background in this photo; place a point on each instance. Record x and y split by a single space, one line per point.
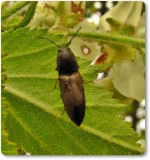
136 111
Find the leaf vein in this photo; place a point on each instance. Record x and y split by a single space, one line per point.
84 127
28 130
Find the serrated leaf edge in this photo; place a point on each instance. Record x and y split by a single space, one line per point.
84 127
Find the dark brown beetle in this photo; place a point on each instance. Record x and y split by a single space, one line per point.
71 84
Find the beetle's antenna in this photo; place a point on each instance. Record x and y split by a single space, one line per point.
73 37
50 41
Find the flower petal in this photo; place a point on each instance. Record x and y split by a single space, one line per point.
140 29
128 78
123 12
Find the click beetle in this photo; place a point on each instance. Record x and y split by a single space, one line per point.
71 83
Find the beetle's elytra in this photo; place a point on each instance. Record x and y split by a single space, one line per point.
71 84
72 94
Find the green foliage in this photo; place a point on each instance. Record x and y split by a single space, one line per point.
8 147
12 9
32 108
34 120
12 19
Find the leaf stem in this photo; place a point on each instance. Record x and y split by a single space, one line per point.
29 14
111 38
13 9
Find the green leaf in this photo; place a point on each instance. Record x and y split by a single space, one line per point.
14 18
8 148
13 9
28 16
34 120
